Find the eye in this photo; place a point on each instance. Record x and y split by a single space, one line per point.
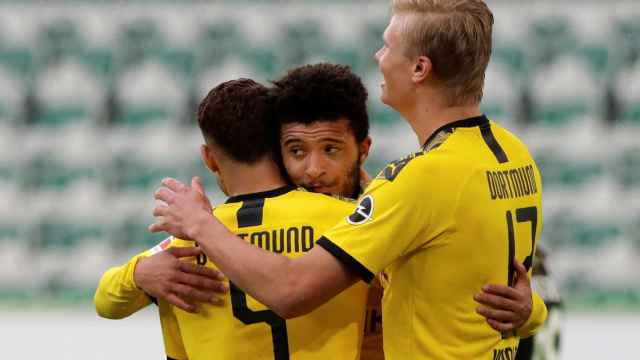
330 149
296 151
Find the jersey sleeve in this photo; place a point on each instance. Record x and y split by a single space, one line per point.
536 319
117 295
395 216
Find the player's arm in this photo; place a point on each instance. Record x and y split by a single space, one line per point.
513 308
290 287
126 289
293 287
117 296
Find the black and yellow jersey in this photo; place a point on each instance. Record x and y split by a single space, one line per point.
439 224
285 221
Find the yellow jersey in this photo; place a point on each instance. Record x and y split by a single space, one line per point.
285 221
439 224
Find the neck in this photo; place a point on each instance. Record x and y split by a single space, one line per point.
430 112
241 179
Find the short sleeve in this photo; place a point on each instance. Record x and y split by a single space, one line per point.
389 221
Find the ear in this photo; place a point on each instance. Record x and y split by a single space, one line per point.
363 149
422 68
209 158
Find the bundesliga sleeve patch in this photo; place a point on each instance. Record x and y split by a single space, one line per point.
163 245
363 212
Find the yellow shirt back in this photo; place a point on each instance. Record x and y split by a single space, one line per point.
287 222
440 224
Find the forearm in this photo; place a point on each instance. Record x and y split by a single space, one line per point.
117 295
536 319
290 287
263 275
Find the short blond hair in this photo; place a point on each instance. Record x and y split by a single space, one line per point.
456 36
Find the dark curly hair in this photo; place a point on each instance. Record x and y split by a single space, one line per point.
236 116
325 92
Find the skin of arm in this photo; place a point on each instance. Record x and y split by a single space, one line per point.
290 287
123 290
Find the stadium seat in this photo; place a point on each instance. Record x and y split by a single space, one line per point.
138 40
556 99
58 39
66 92
229 70
502 95
218 41
149 92
12 96
301 41
626 88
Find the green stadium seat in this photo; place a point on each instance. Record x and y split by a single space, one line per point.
13 93
150 92
502 95
568 173
300 42
549 37
218 41
626 89
137 41
68 92
627 166
555 98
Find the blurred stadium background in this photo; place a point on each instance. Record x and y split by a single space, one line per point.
97 102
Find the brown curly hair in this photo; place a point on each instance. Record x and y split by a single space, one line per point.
236 116
322 92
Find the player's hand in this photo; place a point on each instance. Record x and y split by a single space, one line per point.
179 282
183 208
507 308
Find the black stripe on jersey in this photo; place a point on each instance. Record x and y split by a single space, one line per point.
250 214
278 325
170 358
346 259
261 195
466 123
152 298
492 143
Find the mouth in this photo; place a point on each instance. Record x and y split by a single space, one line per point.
319 188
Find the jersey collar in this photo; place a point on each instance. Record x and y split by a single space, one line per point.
465 123
261 195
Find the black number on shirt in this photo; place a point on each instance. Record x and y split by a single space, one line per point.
528 214
247 316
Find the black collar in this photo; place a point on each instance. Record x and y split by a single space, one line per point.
466 123
261 195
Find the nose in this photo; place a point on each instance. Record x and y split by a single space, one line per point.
315 167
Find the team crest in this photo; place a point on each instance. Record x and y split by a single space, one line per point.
363 212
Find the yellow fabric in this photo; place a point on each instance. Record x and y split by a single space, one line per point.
438 236
536 319
333 331
117 295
